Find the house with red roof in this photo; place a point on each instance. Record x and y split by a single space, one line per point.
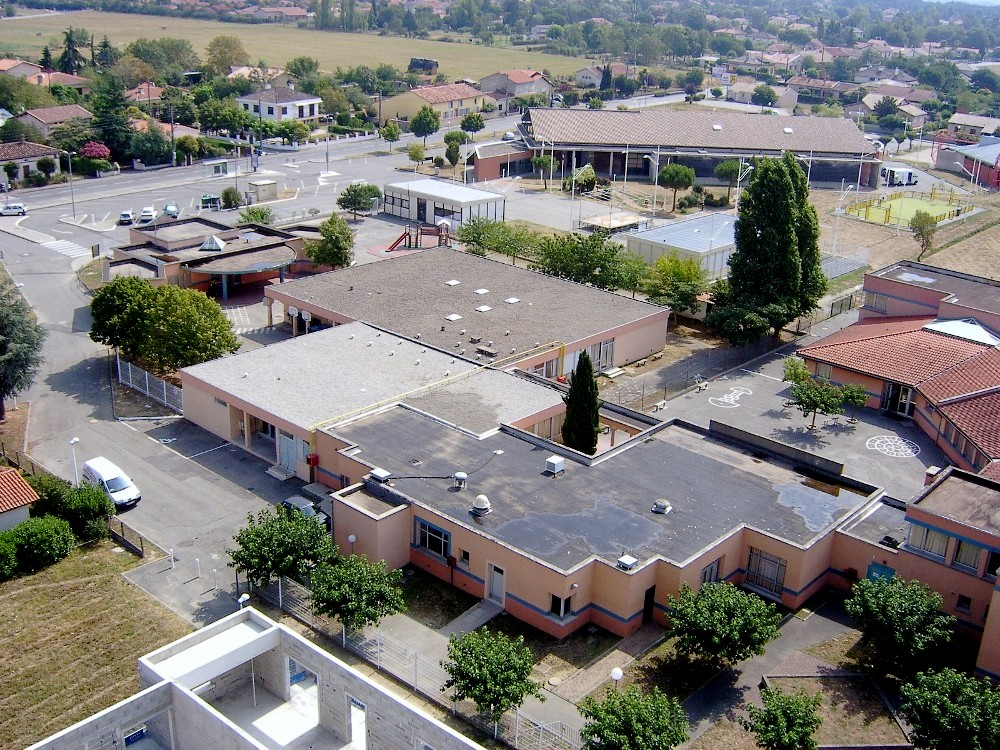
926 348
16 498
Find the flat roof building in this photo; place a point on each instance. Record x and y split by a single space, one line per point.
433 201
709 239
484 310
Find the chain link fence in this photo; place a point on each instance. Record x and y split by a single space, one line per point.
517 730
151 386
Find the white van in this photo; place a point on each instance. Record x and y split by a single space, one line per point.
100 472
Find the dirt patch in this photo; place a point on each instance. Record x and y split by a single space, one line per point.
14 429
725 734
673 673
844 651
129 404
978 254
432 602
72 634
853 712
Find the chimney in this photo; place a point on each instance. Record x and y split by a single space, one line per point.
22 137
291 85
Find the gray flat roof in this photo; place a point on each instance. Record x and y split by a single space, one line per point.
601 510
698 235
722 131
350 368
452 192
962 288
411 295
884 520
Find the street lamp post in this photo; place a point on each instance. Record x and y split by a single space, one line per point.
745 170
616 675
625 181
72 194
72 447
656 177
840 212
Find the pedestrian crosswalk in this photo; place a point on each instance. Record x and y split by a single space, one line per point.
70 249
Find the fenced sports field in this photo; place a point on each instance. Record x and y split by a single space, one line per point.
897 208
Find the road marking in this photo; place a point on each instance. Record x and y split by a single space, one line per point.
67 248
207 451
731 399
754 372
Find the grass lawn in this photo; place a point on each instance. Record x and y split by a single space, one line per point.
433 602
852 712
276 44
72 634
725 734
554 657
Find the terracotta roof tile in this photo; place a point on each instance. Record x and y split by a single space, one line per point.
992 471
977 419
14 491
55 115
25 150
980 373
897 350
521 76
448 92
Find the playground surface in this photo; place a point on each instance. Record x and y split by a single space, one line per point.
898 207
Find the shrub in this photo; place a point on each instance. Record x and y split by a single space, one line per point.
52 493
84 508
231 198
8 556
41 542
438 161
36 178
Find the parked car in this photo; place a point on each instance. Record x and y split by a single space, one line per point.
172 210
148 214
13 209
126 217
308 508
509 136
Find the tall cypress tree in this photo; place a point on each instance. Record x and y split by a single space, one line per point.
109 105
812 281
579 430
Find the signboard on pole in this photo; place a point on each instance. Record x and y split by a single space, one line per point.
728 79
718 70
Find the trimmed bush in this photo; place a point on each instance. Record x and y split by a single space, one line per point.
231 198
85 508
8 556
41 542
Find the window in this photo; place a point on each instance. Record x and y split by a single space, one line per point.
270 110
434 540
927 540
561 607
992 563
256 109
824 371
766 571
875 301
220 402
710 573
465 556
967 555
963 603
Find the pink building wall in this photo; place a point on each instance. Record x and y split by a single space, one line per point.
902 299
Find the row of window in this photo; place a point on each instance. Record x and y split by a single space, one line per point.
396 200
875 301
967 555
964 446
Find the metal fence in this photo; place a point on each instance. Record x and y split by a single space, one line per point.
407 665
20 459
155 388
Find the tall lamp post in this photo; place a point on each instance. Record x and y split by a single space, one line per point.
72 195
72 447
656 176
745 170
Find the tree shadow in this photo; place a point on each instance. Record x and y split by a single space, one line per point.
801 437
775 413
86 382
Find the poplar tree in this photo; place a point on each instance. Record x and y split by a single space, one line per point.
579 430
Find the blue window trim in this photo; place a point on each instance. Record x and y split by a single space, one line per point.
417 521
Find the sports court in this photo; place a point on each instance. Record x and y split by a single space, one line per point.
898 207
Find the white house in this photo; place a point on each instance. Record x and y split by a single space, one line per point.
282 103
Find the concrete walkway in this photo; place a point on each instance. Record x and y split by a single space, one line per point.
724 696
585 681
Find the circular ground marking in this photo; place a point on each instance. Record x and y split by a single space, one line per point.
893 446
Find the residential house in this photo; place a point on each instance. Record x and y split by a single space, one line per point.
820 89
882 74
245 681
742 92
975 125
450 100
146 92
19 68
26 154
517 83
47 118
16 498
909 112
274 77
771 62
81 85
539 32
590 77
279 104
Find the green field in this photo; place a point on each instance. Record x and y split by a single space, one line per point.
276 44
900 209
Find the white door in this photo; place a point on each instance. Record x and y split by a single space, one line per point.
496 584
286 450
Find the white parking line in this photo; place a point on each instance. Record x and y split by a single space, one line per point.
754 372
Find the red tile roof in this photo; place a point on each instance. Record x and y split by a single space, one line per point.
55 115
976 417
446 93
898 349
521 76
14 491
992 471
25 150
973 376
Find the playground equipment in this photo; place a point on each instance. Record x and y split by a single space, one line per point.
899 206
413 236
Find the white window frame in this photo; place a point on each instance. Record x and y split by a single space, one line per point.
927 541
967 550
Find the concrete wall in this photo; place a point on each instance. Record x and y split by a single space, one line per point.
988 662
198 725
12 518
728 432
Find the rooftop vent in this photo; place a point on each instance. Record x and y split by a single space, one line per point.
789 131
483 308
662 506
627 562
716 126
381 475
482 291
481 506
512 300
461 478
555 465
453 282
453 317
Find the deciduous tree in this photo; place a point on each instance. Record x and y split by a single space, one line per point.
591 259
901 619
794 370
116 313
280 543
336 248
676 177
786 722
885 107
814 396
223 53
544 164
676 282
923 226
728 170
453 153
721 622
856 396
472 123
415 153
21 338
390 133
583 408
426 122
257 215
949 710
763 96
492 670
631 719
357 592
